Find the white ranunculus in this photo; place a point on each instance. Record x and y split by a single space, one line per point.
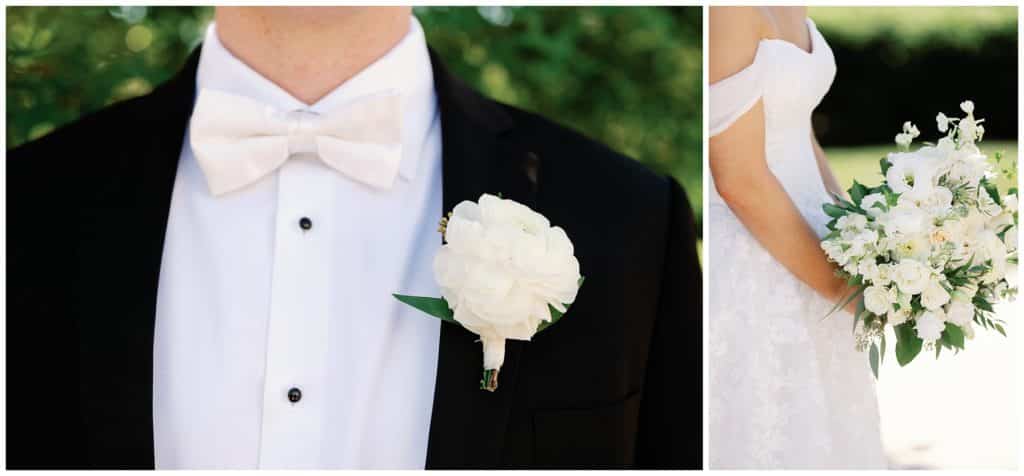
500 268
878 300
929 325
960 312
871 203
912 276
934 296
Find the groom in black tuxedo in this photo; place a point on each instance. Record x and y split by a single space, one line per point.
139 299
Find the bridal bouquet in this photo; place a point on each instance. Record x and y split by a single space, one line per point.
931 248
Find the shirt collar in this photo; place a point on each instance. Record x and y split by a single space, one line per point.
406 68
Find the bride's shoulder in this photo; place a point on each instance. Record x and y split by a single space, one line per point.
734 34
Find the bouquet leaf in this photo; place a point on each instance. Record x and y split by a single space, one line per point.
857 192
884 164
882 352
953 336
833 211
873 359
843 302
908 344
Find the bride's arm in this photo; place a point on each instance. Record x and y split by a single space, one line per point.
741 173
827 177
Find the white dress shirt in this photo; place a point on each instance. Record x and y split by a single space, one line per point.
250 305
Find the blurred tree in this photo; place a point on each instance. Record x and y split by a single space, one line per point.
909 63
628 77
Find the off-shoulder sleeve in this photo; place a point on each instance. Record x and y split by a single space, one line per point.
731 97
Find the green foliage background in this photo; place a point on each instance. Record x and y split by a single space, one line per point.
909 63
628 77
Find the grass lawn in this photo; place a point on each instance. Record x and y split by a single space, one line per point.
861 163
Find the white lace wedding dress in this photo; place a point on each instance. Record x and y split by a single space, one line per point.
788 390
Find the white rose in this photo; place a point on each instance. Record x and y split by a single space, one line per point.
835 252
960 312
878 300
934 296
501 267
898 316
912 276
929 325
968 330
915 247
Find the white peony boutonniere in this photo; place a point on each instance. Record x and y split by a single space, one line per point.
504 273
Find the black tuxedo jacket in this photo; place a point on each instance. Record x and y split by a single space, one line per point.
616 384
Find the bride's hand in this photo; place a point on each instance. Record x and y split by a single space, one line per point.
842 293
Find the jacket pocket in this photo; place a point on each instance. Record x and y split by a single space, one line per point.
599 437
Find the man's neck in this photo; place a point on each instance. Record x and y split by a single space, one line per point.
310 51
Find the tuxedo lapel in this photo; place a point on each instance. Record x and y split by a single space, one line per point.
120 248
468 424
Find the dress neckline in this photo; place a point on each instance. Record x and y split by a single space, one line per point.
817 45
811 34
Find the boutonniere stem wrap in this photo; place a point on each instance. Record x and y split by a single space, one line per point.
504 273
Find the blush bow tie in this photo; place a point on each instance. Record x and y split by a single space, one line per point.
237 140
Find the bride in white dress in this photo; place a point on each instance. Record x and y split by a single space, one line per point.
788 390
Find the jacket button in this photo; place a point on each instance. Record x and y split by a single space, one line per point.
294 395
305 223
